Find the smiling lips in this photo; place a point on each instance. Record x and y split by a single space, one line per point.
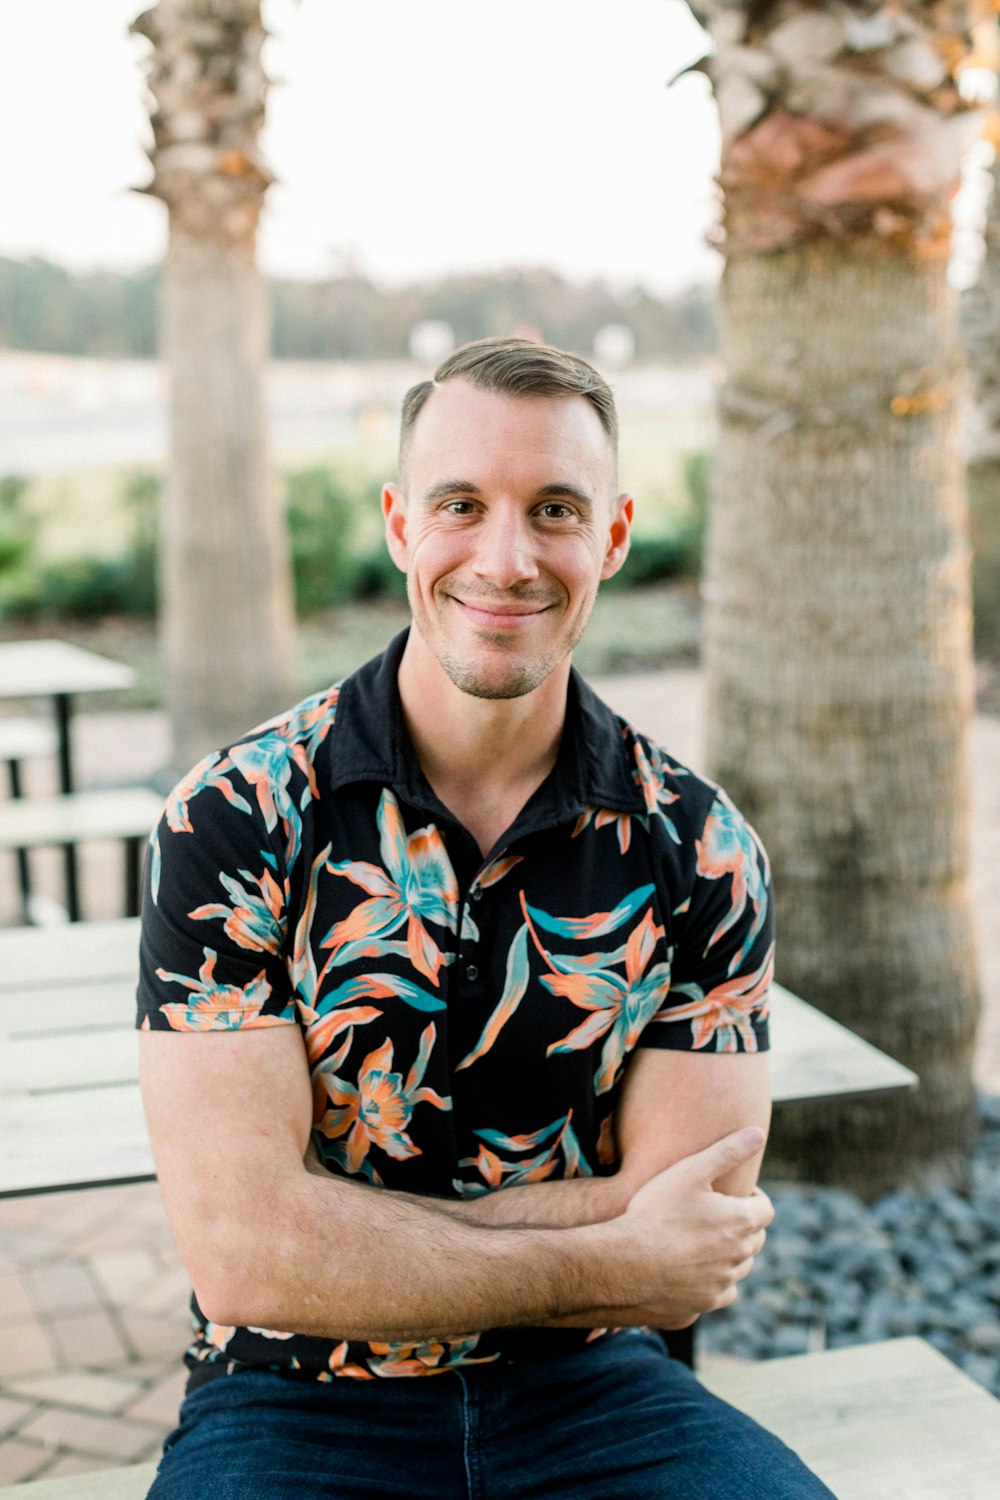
501 616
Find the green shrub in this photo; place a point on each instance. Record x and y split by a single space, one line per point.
139 580
16 529
85 587
320 527
377 577
676 552
17 540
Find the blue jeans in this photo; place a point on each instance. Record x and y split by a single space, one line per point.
617 1420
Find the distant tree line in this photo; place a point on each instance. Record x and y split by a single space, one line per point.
44 306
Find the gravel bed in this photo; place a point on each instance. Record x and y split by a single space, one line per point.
838 1271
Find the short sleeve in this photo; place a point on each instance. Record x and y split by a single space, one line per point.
723 962
211 953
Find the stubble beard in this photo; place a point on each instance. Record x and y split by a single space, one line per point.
520 678
517 680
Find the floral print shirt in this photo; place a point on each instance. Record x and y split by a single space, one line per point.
467 1020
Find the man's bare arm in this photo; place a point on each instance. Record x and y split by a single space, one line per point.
270 1244
672 1105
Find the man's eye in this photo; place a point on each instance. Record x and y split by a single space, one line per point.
556 511
459 507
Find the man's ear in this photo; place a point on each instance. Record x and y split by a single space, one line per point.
394 515
618 537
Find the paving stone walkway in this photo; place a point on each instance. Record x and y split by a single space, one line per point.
93 1296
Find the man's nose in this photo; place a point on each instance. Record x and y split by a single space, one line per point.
505 554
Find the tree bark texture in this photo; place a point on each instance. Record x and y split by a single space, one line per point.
227 617
837 608
981 320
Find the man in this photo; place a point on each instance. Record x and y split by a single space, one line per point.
453 994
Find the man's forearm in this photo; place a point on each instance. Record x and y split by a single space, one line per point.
565 1204
312 1253
560 1204
350 1261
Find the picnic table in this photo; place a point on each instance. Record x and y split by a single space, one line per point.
59 671
70 1111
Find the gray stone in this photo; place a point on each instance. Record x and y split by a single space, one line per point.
911 1263
905 1319
936 1281
981 1368
983 1337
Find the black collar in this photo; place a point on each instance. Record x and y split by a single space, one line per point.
369 742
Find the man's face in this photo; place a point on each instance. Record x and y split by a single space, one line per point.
505 522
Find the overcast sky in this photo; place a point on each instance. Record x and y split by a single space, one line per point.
416 137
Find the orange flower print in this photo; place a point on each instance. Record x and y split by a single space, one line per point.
651 774
266 764
723 1017
341 1365
376 1111
729 848
618 1008
561 1157
417 886
206 774
218 1007
255 918
602 817
309 723
431 1357
302 964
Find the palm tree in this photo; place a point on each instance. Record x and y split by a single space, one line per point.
837 635
228 626
981 326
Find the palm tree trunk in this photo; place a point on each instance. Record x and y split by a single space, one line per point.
982 337
228 625
837 632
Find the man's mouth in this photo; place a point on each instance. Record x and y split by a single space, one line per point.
500 616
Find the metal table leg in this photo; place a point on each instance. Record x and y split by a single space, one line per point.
63 703
23 868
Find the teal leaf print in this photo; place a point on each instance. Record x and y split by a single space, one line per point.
599 924
728 848
255 918
559 1138
515 985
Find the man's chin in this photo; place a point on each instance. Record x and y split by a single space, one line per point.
477 685
498 681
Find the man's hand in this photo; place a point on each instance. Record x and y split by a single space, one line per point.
681 1247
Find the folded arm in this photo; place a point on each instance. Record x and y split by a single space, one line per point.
270 1243
672 1105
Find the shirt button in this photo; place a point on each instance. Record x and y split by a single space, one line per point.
472 973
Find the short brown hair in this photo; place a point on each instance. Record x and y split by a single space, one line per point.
516 367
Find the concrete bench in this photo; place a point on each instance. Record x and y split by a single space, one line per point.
126 813
889 1421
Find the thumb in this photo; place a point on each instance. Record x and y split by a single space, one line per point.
725 1155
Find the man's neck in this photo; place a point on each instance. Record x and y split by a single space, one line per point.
484 757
